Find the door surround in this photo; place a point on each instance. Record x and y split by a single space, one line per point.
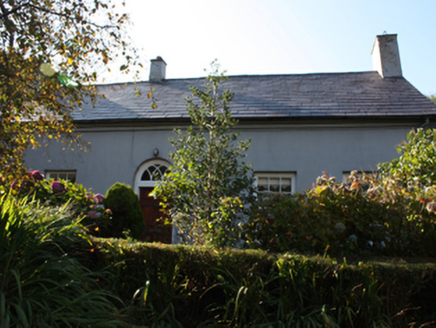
146 178
150 180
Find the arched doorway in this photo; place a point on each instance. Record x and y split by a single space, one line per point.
148 174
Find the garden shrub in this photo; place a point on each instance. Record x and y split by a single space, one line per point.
416 163
83 204
206 287
365 216
126 211
389 213
43 275
319 221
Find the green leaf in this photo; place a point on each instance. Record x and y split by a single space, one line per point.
207 167
75 41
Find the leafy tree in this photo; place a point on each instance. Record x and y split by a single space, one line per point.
49 54
417 162
432 98
205 190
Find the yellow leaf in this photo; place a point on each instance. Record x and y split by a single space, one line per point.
70 61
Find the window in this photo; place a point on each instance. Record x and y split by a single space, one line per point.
275 182
64 175
149 173
154 172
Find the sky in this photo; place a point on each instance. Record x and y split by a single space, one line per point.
250 37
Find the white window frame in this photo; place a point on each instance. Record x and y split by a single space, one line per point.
142 168
54 174
275 175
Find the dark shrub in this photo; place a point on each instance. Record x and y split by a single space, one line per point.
364 216
126 211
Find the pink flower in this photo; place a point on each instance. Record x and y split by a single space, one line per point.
37 175
99 198
56 186
93 215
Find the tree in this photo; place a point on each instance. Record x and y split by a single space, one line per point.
432 98
417 161
49 54
207 188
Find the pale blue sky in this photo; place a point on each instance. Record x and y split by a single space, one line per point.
284 36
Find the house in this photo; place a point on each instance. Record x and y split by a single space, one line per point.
299 126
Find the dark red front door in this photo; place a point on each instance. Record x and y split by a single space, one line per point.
155 229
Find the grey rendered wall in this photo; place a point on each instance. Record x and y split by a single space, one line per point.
114 157
308 151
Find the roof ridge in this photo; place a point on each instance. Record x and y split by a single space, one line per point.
235 76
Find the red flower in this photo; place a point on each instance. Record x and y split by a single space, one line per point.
56 186
37 176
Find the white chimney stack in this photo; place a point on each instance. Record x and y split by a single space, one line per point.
157 69
386 56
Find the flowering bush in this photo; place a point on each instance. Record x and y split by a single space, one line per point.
84 204
37 175
363 216
390 213
99 198
57 186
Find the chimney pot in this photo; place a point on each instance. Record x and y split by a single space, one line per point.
157 69
386 56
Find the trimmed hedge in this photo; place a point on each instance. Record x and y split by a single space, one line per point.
186 286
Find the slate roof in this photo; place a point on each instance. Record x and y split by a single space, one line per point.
326 95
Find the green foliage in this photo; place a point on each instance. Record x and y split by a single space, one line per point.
50 54
82 202
126 211
206 189
206 287
432 98
363 217
43 278
417 161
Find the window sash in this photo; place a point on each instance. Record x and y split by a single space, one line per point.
64 175
275 182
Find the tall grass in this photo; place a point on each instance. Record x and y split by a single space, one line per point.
43 281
